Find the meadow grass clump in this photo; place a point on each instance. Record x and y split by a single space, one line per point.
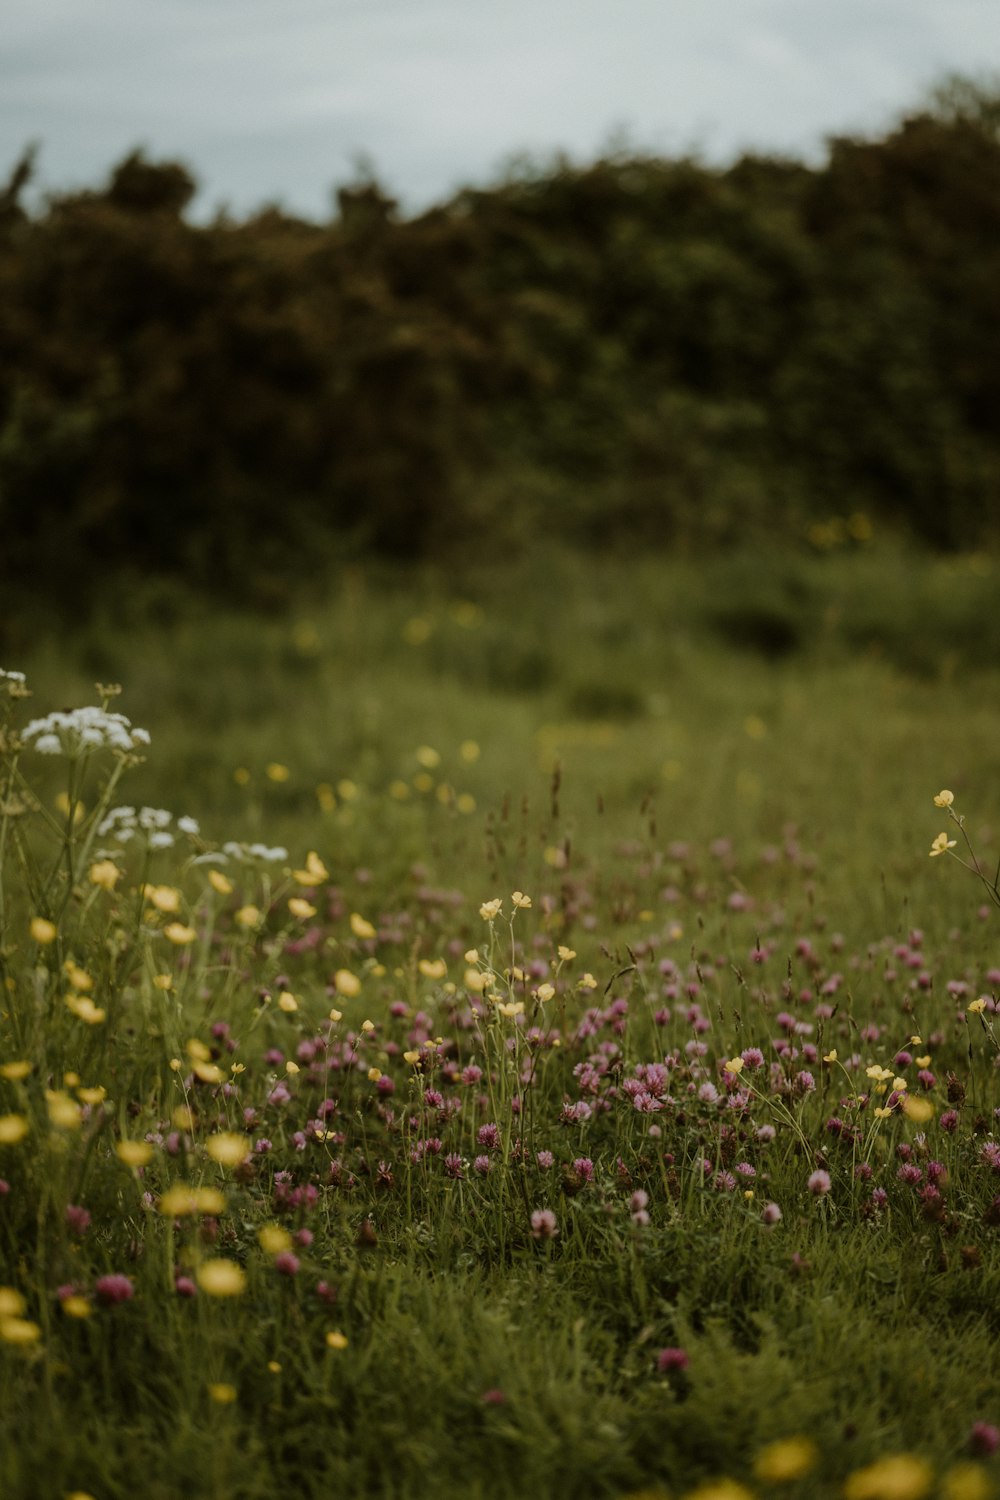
606 1175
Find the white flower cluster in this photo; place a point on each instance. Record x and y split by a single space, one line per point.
255 851
17 677
82 729
124 823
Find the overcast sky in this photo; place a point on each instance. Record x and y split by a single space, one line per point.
274 100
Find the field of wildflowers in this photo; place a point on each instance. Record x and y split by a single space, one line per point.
442 1124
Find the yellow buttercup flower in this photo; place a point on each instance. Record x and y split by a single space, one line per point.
221 1278
11 1302
105 873
898 1477
301 908
976 1007
15 1071
76 1307
491 909
941 844
134 1153
277 772
273 1239
179 934
19 1331
287 1002
222 1393
228 1148
520 900
43 931
165 898
432 968
248 916
918 1110
336 1340
786 1460
944 799
361 927
13 1128
219 883
735 1065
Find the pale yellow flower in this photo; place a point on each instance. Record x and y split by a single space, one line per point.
491 909
897 1477
179 934
105 873
13 1128
976 1007
941 844
361 927
566 953
521 900
348 984
219 883
134 1153
222 1393
19 1331
221 1278
165 898
277 772
428 757
83 1007
944 799
43 931
11 1303
336 1340
76 1306
274 1239
786 1460
248 916
966 1481
64 1112
301 908
314 871
15 1071
735 1065
287 1002
545 992
228 1148
917 1109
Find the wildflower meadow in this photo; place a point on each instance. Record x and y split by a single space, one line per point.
451 1048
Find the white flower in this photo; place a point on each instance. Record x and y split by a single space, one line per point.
83 729
11 676
161 840
189 826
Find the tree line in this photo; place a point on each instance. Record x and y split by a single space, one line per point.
636 352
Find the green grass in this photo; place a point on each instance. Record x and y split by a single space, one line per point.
702 818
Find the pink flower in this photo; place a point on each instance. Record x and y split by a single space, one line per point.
819 1183
669 1360
286 1263
77 1219
771 1213
984 1439
544 1225
113 1288
185 1287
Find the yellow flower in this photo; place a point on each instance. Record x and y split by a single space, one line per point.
433 968
469 751
336 1340
977 1006
491 909
428 757
134 1153
566 953
163 981
336 1015
315 871
273 1239
545 992
586 982
11 1303
287 1002
291 1068
521 900
221 1278
941 844
831 1056
13 1128
735 1065
64 1112
83 1007
898 1477
274 1367
19 1331
720 1489
918 1110
166 898
105 873
76 1307
900 1085
944 799
966 1482
182 1117
15 1071
348 984
219 883
301 908
177 933
275 771
511 1008
228 1148
248 916
882 1113
207 1072
368 1027
412 1057
43 931
786 1460
325 797
360 927
475 981
222 1393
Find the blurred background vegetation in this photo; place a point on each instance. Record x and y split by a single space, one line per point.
633 355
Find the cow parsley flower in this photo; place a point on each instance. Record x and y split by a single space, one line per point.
81 730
